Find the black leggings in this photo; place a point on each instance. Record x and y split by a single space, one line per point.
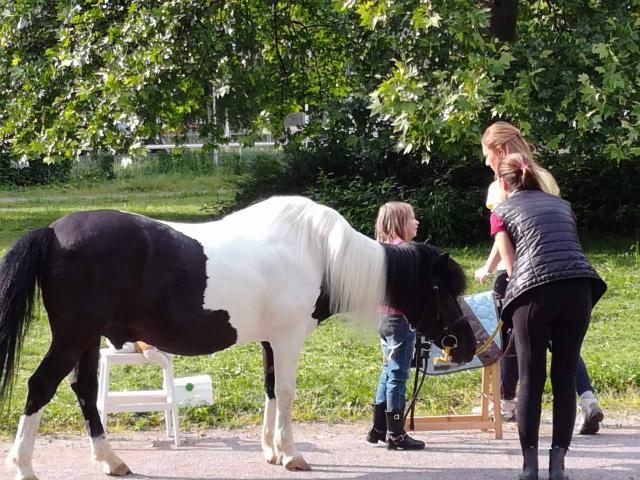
558 312
509 361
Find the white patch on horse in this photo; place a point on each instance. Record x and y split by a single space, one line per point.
102 454
268 427
266 265
21 454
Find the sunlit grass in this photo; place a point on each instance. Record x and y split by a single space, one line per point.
339 365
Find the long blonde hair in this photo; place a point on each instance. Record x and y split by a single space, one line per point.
507 139
392 221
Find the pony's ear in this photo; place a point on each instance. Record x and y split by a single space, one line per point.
442 261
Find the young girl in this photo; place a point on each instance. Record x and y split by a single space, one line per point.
396 224
552 289
499 140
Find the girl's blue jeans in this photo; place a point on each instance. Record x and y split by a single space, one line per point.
398 344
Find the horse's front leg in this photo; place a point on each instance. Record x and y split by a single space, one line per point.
269 421
84 383
285 356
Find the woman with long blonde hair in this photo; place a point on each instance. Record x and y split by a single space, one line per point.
500 140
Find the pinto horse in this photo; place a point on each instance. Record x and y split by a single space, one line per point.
270 273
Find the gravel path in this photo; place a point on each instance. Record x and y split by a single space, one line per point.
339 451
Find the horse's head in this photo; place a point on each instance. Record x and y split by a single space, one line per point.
430 302
443 321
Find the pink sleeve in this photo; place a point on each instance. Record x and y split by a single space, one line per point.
496 223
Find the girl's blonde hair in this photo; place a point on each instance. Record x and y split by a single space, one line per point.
507 139
393 218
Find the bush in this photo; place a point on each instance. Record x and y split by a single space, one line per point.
37 173
267 175
603 194
447 215
357 200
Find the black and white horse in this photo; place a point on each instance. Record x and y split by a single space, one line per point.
268 273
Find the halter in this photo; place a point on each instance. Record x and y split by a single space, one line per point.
449 340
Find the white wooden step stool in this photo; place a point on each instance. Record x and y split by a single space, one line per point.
141 400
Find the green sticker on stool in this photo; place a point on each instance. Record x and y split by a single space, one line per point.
189 387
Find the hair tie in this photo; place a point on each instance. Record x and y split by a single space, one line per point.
524 167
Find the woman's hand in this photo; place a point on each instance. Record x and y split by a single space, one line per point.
489 266
482 274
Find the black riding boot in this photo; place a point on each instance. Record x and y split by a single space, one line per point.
397 438
556 464
529 464
378 430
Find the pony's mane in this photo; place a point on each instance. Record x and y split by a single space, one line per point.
450 272
408 263
354 265
455 277
403 269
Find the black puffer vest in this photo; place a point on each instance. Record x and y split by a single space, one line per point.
543 231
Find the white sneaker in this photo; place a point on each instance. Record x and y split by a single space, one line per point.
592 414
507 407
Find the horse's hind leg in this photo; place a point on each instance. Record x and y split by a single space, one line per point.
84 383
21 453
269 421
43 384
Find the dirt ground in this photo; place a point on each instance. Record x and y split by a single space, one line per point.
339 451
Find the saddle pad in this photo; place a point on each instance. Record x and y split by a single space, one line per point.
480 309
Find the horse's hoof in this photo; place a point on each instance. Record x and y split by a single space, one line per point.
119 471
271 457
297 464
12 462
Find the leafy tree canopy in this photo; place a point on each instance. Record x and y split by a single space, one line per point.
570 80
79 75
106 74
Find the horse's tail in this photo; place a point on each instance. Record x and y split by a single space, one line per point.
20 270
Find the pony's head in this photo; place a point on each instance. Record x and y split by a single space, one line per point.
446 324
428 296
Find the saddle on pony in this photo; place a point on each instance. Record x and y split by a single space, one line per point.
482 312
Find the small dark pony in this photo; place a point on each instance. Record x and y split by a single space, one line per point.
268 273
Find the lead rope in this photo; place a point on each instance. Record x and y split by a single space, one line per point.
490 339
417 382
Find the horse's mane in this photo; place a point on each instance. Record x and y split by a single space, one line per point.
455 277
450 271
408 263
354 265
403 268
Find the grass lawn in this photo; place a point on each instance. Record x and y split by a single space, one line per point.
339 365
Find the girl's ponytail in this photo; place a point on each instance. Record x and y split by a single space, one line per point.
516 170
